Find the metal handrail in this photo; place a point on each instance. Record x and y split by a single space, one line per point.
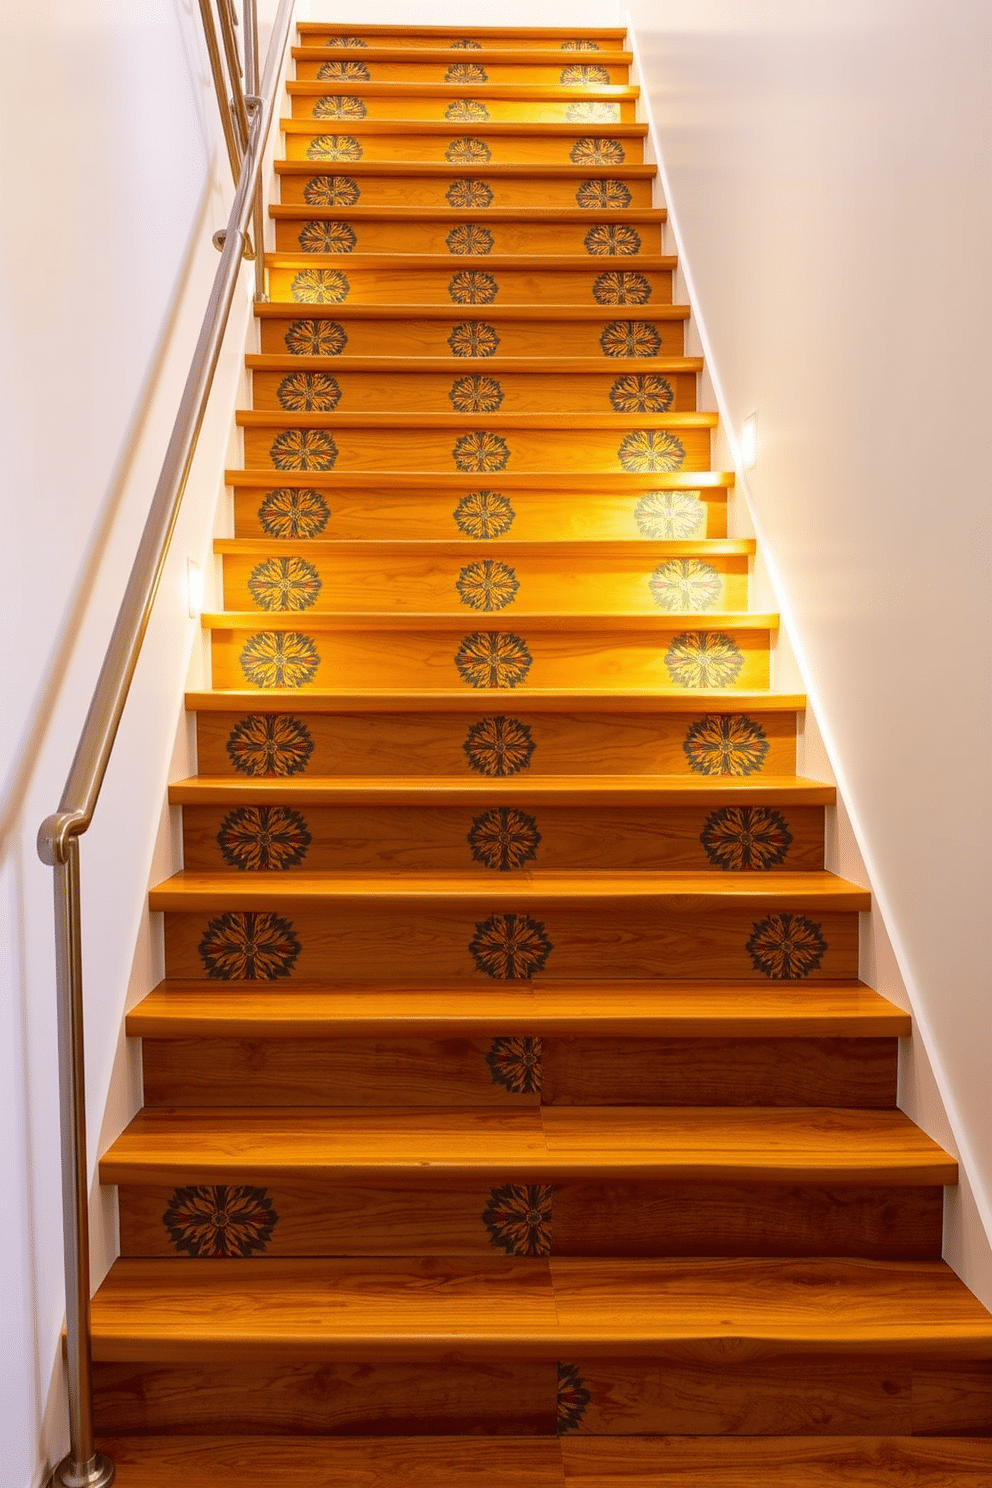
58 838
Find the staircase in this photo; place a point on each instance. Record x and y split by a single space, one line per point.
514 1112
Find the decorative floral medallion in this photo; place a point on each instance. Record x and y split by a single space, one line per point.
290 512
613 195
279 658
786 947
482 450
573 1398
284 584
304 449
470 237
473 287
704 658
515 1063
473 338
646 450
316 338
466 72
331 191
686 584
469 193
487 584
468 151
476 394
270 744
339 108
466 45
221 1221
466 110
260 839
499 746
249 946
642 392
615 239
504 839
334 147
577 74
662 515
518 1218
630 338
595 151
344 72
307 392
742 837
320 287
725 744
493 658
621 287
484 514
345 41
328 237
593 113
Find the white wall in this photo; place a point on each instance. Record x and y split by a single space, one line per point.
827 168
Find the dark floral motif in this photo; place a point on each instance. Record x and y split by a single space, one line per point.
466 46
320 287
630 338
576 74
647 450
470 237
591 151
328 237
669 514
339 108
786 947
613 195
290 512
580 46
518 1218
284 584
270 744
704 658
306 392
573 1398
499 746
476 394
466 110
468 151
593 113
482 450
484 514
686 584
334 147
331 191
279 658
473 287
612 239
741 837
259 839
466 72
221 1221
728 744
469 193
515 1063
642 392
487 584
249 946
316 338
344 72
473 338
621 287
345 41
504 838
493 658
303 449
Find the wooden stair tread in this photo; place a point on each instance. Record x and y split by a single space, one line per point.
299 211
450 480
249 418
506 547
514 57
270 362
555 262
525 92
620 129
180 1310
533 700
493 170
564 33
606 620
350 310
178 1009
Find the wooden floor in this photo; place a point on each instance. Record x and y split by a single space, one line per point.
513 1107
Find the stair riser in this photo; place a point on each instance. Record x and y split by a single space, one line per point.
382 235
380 189
369 940
774 1397
447 284
458 107
443 392
489 333
302 745
486 147
463 71
585 1219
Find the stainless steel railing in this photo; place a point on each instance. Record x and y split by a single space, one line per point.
247 109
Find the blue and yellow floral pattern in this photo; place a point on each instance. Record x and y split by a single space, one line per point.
339 108
578 75
647 450
466 72
284 584
279 658
484 514
487 584
344 72
335 147
320 287
293 512
704 658
466 110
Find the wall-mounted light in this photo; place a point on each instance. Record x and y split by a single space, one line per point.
749 441
194 588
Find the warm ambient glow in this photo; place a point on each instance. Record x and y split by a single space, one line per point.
749 442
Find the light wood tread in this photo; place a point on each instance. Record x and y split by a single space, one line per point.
780 890
511 57
179 1310
277 418
450 480
537 1144
414 169
551 33
300 211
482 129
177 1009
534 700
270 362
460 620
535 790
494 314
391 262
771 1462
525 92
571 547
